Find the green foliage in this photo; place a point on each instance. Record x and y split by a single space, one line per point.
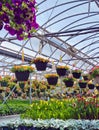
68 79
95 73
16 106
64 109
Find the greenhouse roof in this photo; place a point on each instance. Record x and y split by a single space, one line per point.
68 31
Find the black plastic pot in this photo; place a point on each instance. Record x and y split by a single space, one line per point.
7 128
97 87
4 83
1 91
26 128
48 86
21 85
69 83
82 85
41 66
76 75
91 86
52 80
22 76
85 78
61 71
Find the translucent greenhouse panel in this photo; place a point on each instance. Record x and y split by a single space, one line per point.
10 46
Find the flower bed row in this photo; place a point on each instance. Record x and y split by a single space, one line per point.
52 124
79 108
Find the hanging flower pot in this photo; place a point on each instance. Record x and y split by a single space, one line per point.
69 81
91 86
52 79
4 83
82 84
22 72
21 84
40 63
97 86
1 89
86 77
61 70
18 17
76 73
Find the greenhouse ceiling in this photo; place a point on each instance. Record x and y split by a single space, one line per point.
68 29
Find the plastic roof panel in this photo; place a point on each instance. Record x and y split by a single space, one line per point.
76 24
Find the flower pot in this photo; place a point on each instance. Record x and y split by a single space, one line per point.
41 66
69 83
26 128
96 79
52 80
76 75
85 78
19 93
7 128
82 85
42 90
97 87
4 83
22 85
22 76
1 91
91 86
48 86
61 71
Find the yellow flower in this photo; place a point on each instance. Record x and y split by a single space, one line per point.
22 68
40 59
51 75
63 67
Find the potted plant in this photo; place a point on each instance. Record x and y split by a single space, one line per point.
1 89
94 72
22 72
82 84
18 17
52 79
4 82
86 77
97 86
21 85
61 70
40 63
69 81
76 73
91 85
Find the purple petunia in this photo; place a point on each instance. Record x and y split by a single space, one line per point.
5 18
18 17
0 6
17 2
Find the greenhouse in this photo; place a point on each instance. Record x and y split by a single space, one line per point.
49 65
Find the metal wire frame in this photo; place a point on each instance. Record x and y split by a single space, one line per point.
50 42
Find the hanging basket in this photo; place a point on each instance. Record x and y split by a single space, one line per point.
69 83
97 87
52 80
91 86
22 76
96 79
76 75
82 85
4 83
41 66
61 71
1 91
85 78
22 85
